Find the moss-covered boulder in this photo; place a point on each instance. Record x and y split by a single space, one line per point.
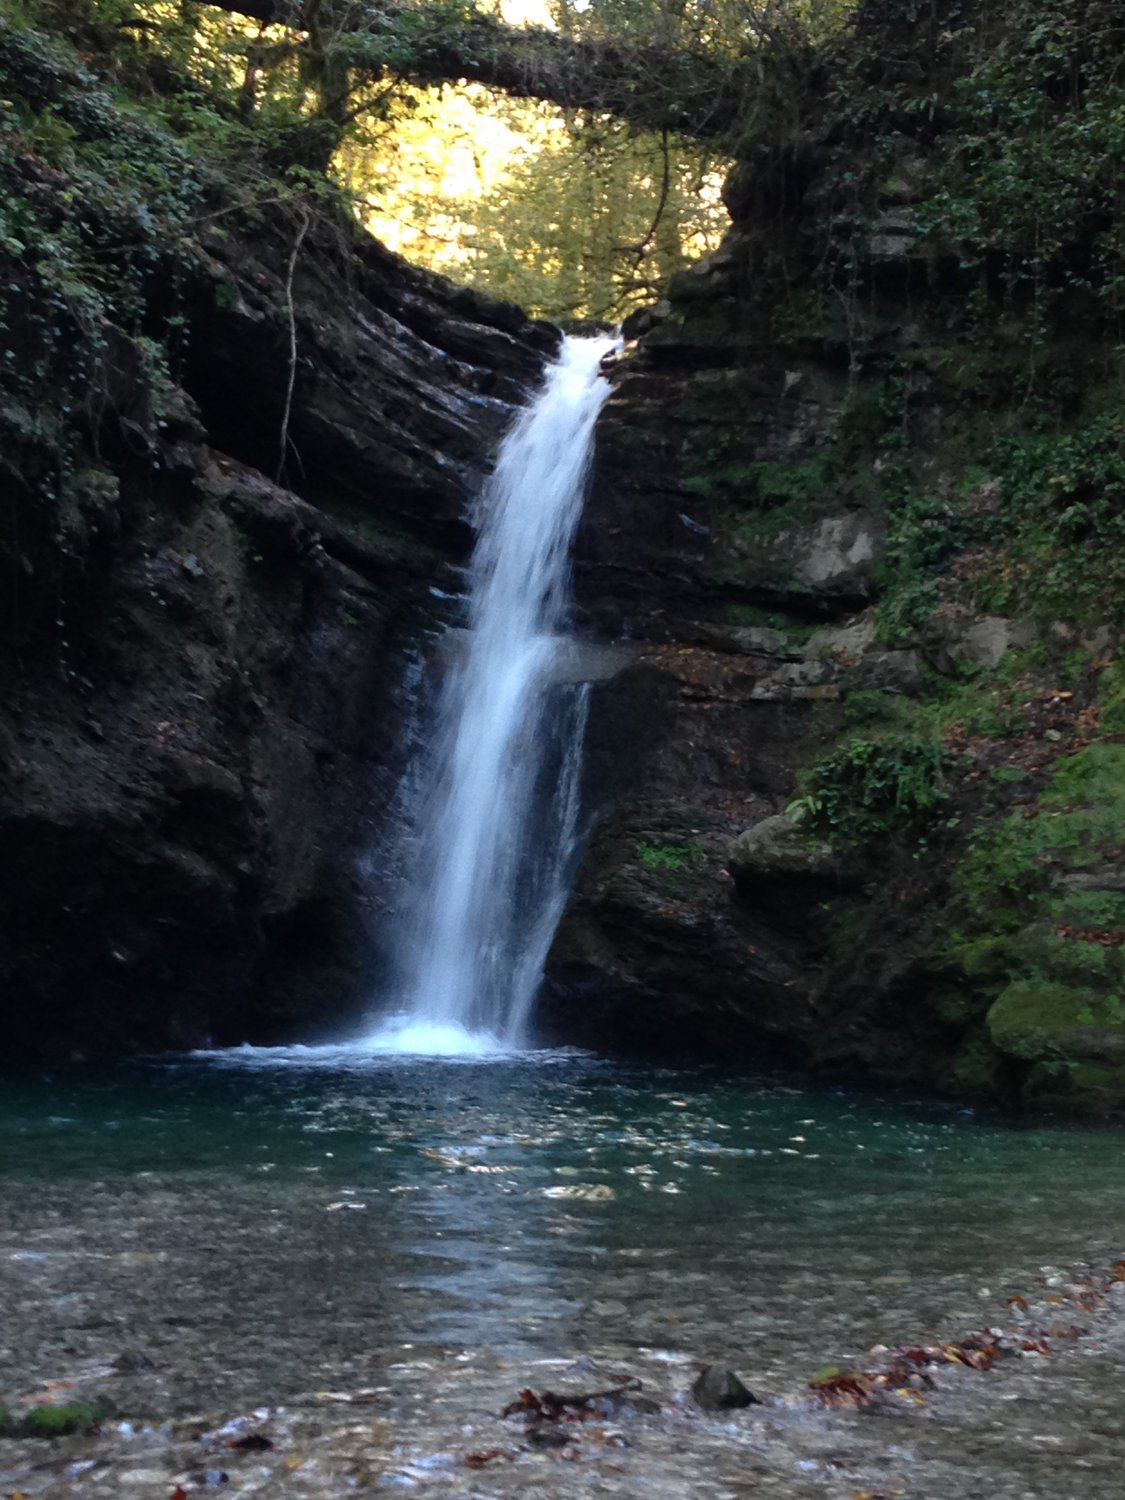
783 847
1042 1020
1043 942
55 1418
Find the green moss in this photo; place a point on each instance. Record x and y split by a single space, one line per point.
956 1005
1090 1076
1076 1088
1086 796
1007 776
757 493
1030 1018
772 619
985 958
1111 693
668 859
1041 951
1103 911
974 1068
54 1420
1034 1020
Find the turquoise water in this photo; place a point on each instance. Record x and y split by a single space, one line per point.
441 1234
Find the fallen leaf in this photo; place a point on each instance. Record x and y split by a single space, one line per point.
843 1388
487 1456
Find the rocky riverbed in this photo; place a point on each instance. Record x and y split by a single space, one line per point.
309 1274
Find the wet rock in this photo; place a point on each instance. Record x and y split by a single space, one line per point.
195 810
953 639
795 680
546 1435
894 238
910 178
986 643
717 1389
132 1362
760 638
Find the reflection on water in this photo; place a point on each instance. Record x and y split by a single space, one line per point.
435 1231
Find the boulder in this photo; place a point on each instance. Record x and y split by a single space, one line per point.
717 1389
782 848
889 672
846 643
831 558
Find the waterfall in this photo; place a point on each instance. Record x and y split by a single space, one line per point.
497 826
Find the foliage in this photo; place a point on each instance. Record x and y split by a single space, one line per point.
112 164
570 215
94 202
867 790
1062 513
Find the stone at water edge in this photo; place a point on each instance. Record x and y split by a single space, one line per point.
58 1419
716 1389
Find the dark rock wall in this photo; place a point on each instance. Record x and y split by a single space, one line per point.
834 510
701 736
200 748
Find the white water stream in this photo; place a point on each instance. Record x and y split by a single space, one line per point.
500 797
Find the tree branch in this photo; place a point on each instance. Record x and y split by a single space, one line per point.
687 93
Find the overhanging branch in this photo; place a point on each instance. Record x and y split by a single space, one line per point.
687 93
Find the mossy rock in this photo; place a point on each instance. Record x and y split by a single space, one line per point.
1042 1020
1111 690
1088 908
957 1005
1044 953
1076 1089
56 1419
985 958
976 1067
1086 805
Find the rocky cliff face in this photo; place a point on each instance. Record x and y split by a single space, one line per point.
854 800
207 640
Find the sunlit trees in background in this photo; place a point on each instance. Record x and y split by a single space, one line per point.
573 209
571 215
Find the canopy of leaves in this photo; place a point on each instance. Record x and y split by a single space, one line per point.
578 200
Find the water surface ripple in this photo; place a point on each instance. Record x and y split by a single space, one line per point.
289 1231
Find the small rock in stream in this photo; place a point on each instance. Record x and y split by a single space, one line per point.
717 1389
132 1362
548 1436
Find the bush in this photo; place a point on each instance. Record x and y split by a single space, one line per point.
872 789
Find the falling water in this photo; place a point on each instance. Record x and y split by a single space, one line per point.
500 799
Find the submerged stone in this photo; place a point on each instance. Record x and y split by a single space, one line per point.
58 1419
717 1389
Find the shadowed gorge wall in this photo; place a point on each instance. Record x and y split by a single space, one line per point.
857 505
203 669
